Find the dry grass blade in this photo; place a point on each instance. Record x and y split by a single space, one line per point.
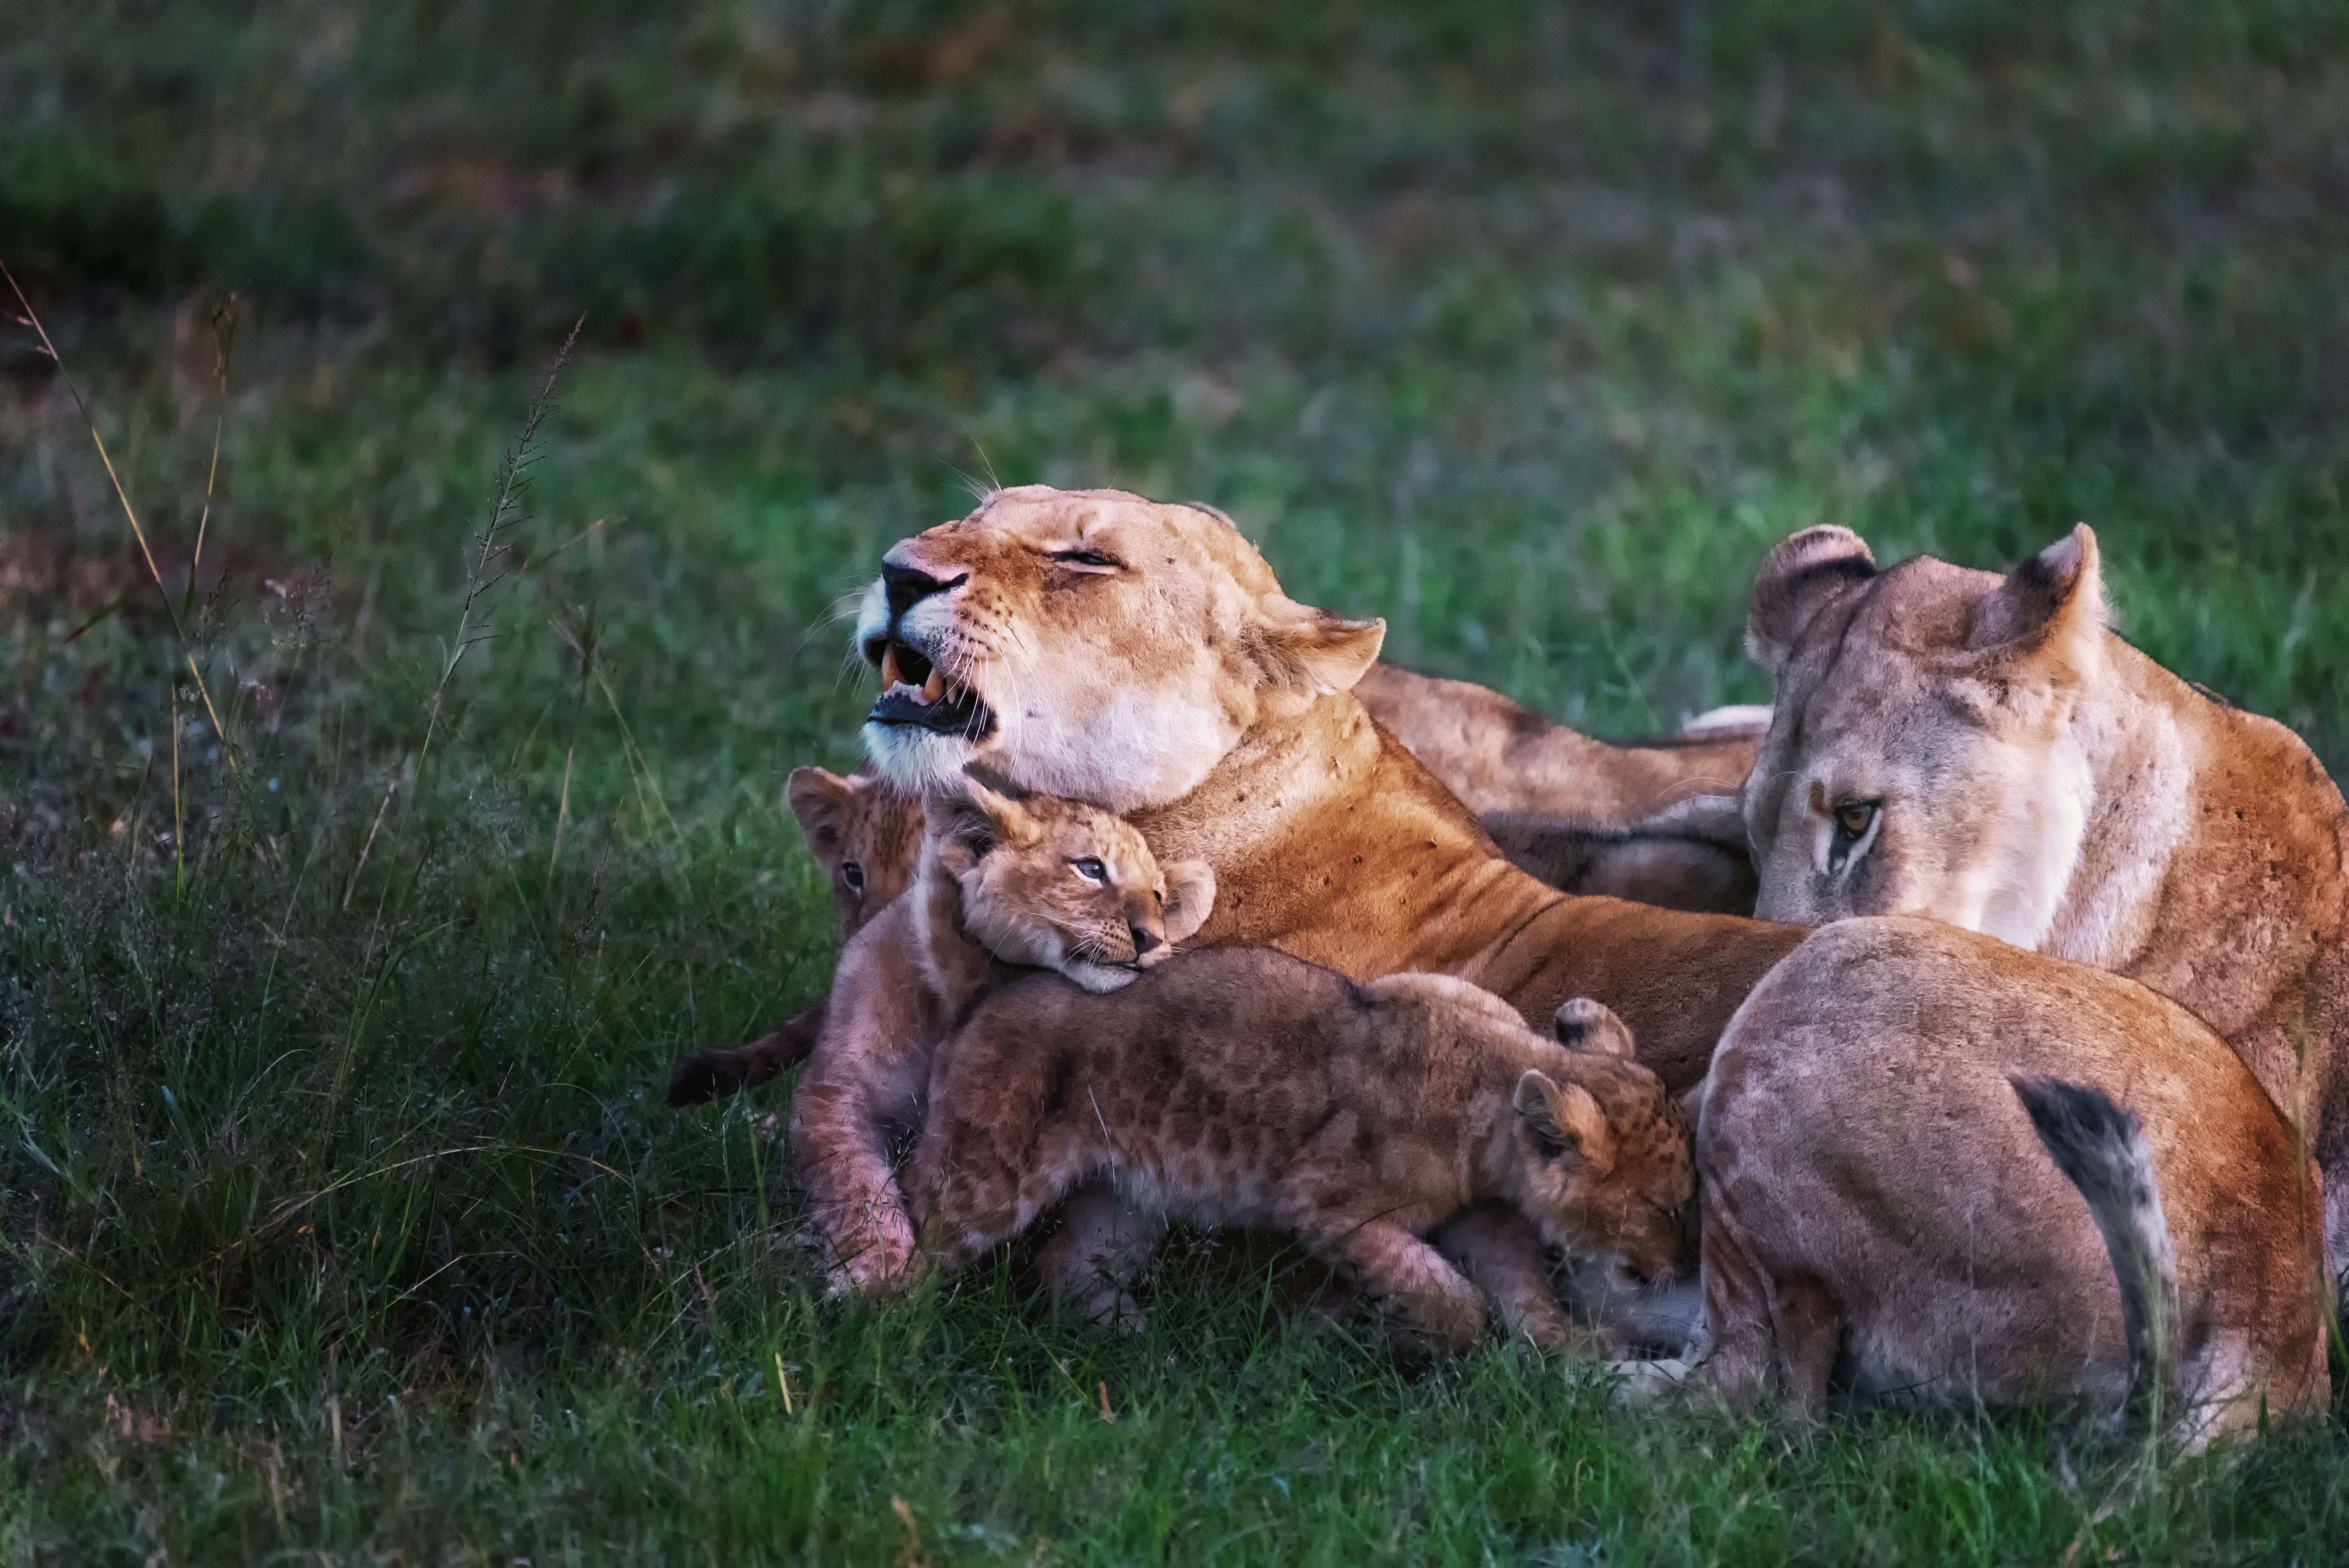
179 628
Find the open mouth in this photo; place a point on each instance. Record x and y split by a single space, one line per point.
916 692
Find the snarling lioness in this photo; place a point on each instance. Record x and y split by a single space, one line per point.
1983 750
1142 657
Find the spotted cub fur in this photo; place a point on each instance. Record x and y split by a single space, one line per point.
1243 1087
1037 881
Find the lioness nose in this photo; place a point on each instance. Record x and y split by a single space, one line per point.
1145 940
907 586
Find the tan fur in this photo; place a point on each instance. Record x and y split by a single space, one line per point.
1499 757
2042 780
1243 1087
999 879
866 834
1878 1209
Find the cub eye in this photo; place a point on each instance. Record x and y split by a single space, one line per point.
1083 557
1091 870
1853 819
853 875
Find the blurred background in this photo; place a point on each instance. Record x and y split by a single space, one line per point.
349 820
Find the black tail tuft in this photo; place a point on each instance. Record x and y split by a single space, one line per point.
2101 1150
714 1074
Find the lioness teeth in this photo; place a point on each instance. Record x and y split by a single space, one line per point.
934 687
889 676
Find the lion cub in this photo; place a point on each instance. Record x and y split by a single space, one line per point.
1038 881
1243 1087
866 834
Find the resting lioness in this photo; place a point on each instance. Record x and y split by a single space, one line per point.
1498 755
1141 656
1243 1087
1877 1210
1981 749
1042 883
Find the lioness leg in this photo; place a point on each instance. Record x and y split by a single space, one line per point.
1764 1334
1499 1250
1410 1276
1104 1246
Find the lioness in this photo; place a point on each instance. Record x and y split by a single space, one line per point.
1878 1209
1982 749
1141 656
1498 755
1240 1085
1042 883
1692 856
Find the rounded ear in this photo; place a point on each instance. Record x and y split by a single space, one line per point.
1304 653
2055 603
1566 1121
1803 576
820 800
968 817
1190 897
1583 1024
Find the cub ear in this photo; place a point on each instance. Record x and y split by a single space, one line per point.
1803 576
969 819
1190 897
1583 1024
1566 1121
2053 601
1304 653
820 800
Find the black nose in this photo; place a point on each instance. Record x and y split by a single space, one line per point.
1145 941
907 587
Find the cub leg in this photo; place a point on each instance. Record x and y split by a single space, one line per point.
1410 1276
838 1142
971 1193
1104 1246
1498 1248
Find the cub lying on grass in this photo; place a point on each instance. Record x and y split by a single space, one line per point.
1243 1087
1879 1214
866 834
1041 882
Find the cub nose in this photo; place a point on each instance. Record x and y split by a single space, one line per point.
907 586
1145 940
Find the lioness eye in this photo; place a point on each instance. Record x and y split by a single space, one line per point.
853 875
1091 870
1081 557
1853 819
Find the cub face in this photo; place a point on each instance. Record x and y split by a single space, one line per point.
1604 1162
1088 643
864 832
1918 759
1061 885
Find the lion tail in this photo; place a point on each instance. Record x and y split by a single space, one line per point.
2101 1150
714 1074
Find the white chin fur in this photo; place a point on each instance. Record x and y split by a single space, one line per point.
916 759
1096 977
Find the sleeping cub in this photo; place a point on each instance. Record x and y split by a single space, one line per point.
1038 881
1243 1087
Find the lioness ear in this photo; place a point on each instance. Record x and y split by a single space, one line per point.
969 818
1190 897
820 799
1583 1024
1307 653
2053 601
1803 576
1566 1121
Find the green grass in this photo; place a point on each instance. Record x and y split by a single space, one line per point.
340 1215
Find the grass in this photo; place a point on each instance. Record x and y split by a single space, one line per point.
340 1215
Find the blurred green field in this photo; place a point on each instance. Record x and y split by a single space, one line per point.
339 1216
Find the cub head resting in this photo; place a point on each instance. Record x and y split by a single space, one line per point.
863 832
1058 884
